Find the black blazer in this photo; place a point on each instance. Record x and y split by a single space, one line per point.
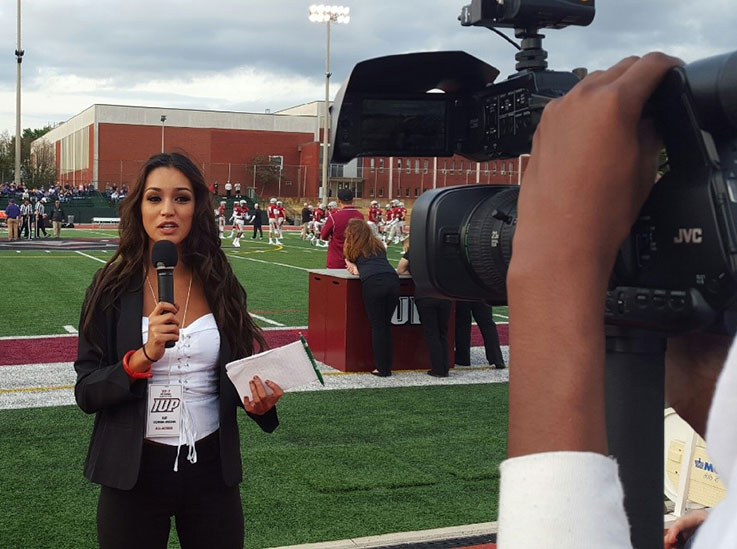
104 388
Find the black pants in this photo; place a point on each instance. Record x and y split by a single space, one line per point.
257 228
434 316
485 320
41 226
380 298
208 514
25 227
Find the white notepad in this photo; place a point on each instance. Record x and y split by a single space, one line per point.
289 366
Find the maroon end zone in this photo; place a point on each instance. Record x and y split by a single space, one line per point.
44 350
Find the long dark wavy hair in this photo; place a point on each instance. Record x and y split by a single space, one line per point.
200 251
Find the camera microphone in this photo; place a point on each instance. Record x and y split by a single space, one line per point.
164 258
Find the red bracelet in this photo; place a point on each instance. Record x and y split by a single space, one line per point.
135 375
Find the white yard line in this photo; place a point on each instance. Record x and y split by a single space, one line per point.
268 320
70 329
269 262
5 338
92 257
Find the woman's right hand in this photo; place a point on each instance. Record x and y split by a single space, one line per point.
163 326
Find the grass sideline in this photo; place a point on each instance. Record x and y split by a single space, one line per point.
341 464
275 279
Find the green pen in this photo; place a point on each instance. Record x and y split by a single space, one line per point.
312 358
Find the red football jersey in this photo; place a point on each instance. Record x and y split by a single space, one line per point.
374 214
221 210
318 215
272 210
388 214
280 211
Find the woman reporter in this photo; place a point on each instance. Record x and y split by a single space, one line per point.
365 256
144 477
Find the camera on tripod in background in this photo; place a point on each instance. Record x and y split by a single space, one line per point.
676 272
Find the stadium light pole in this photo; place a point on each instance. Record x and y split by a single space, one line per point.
19 56
163 119
327 14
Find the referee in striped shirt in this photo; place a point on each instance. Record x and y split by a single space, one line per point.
26 214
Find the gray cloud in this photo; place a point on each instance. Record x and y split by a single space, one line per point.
134 42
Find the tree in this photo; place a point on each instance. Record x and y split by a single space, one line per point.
7 157
38 172
265 171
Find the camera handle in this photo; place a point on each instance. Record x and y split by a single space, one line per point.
635 400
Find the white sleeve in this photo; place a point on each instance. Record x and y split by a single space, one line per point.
562 499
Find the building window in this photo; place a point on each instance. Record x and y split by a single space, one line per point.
371 193
426 163
399 164
417 192
445 166
493 168
372 163
511 168
406 192
381 165
452 166
409 166
381 192
502 171
417 165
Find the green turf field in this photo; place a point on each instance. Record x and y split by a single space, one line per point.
341 464
275 279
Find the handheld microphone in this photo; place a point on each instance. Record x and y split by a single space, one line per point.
164 258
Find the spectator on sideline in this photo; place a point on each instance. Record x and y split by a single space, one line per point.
257 221
13 213
365 256
482 313
335 226
146 477
237 188
57 218
228 189
558 345
306 218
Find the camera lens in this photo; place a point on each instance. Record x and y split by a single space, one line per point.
487 239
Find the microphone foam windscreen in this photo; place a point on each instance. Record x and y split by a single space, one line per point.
164 252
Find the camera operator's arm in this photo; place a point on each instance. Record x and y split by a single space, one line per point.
592 165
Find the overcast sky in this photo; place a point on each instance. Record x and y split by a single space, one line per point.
252 55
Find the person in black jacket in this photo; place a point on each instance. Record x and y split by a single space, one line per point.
152 468
434 318
365 256
485 320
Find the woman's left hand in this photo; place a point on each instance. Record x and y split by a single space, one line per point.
261 402
351 267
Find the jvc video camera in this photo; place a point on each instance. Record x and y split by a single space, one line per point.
677 271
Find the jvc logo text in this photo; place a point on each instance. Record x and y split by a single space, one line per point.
689 236
165 404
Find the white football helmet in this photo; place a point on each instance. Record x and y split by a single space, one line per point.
272 201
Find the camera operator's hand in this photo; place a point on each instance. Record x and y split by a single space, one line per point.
592 165
693 363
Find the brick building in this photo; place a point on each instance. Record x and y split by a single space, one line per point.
268 154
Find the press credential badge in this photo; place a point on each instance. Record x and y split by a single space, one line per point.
164 413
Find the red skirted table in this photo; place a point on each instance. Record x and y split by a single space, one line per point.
339 332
